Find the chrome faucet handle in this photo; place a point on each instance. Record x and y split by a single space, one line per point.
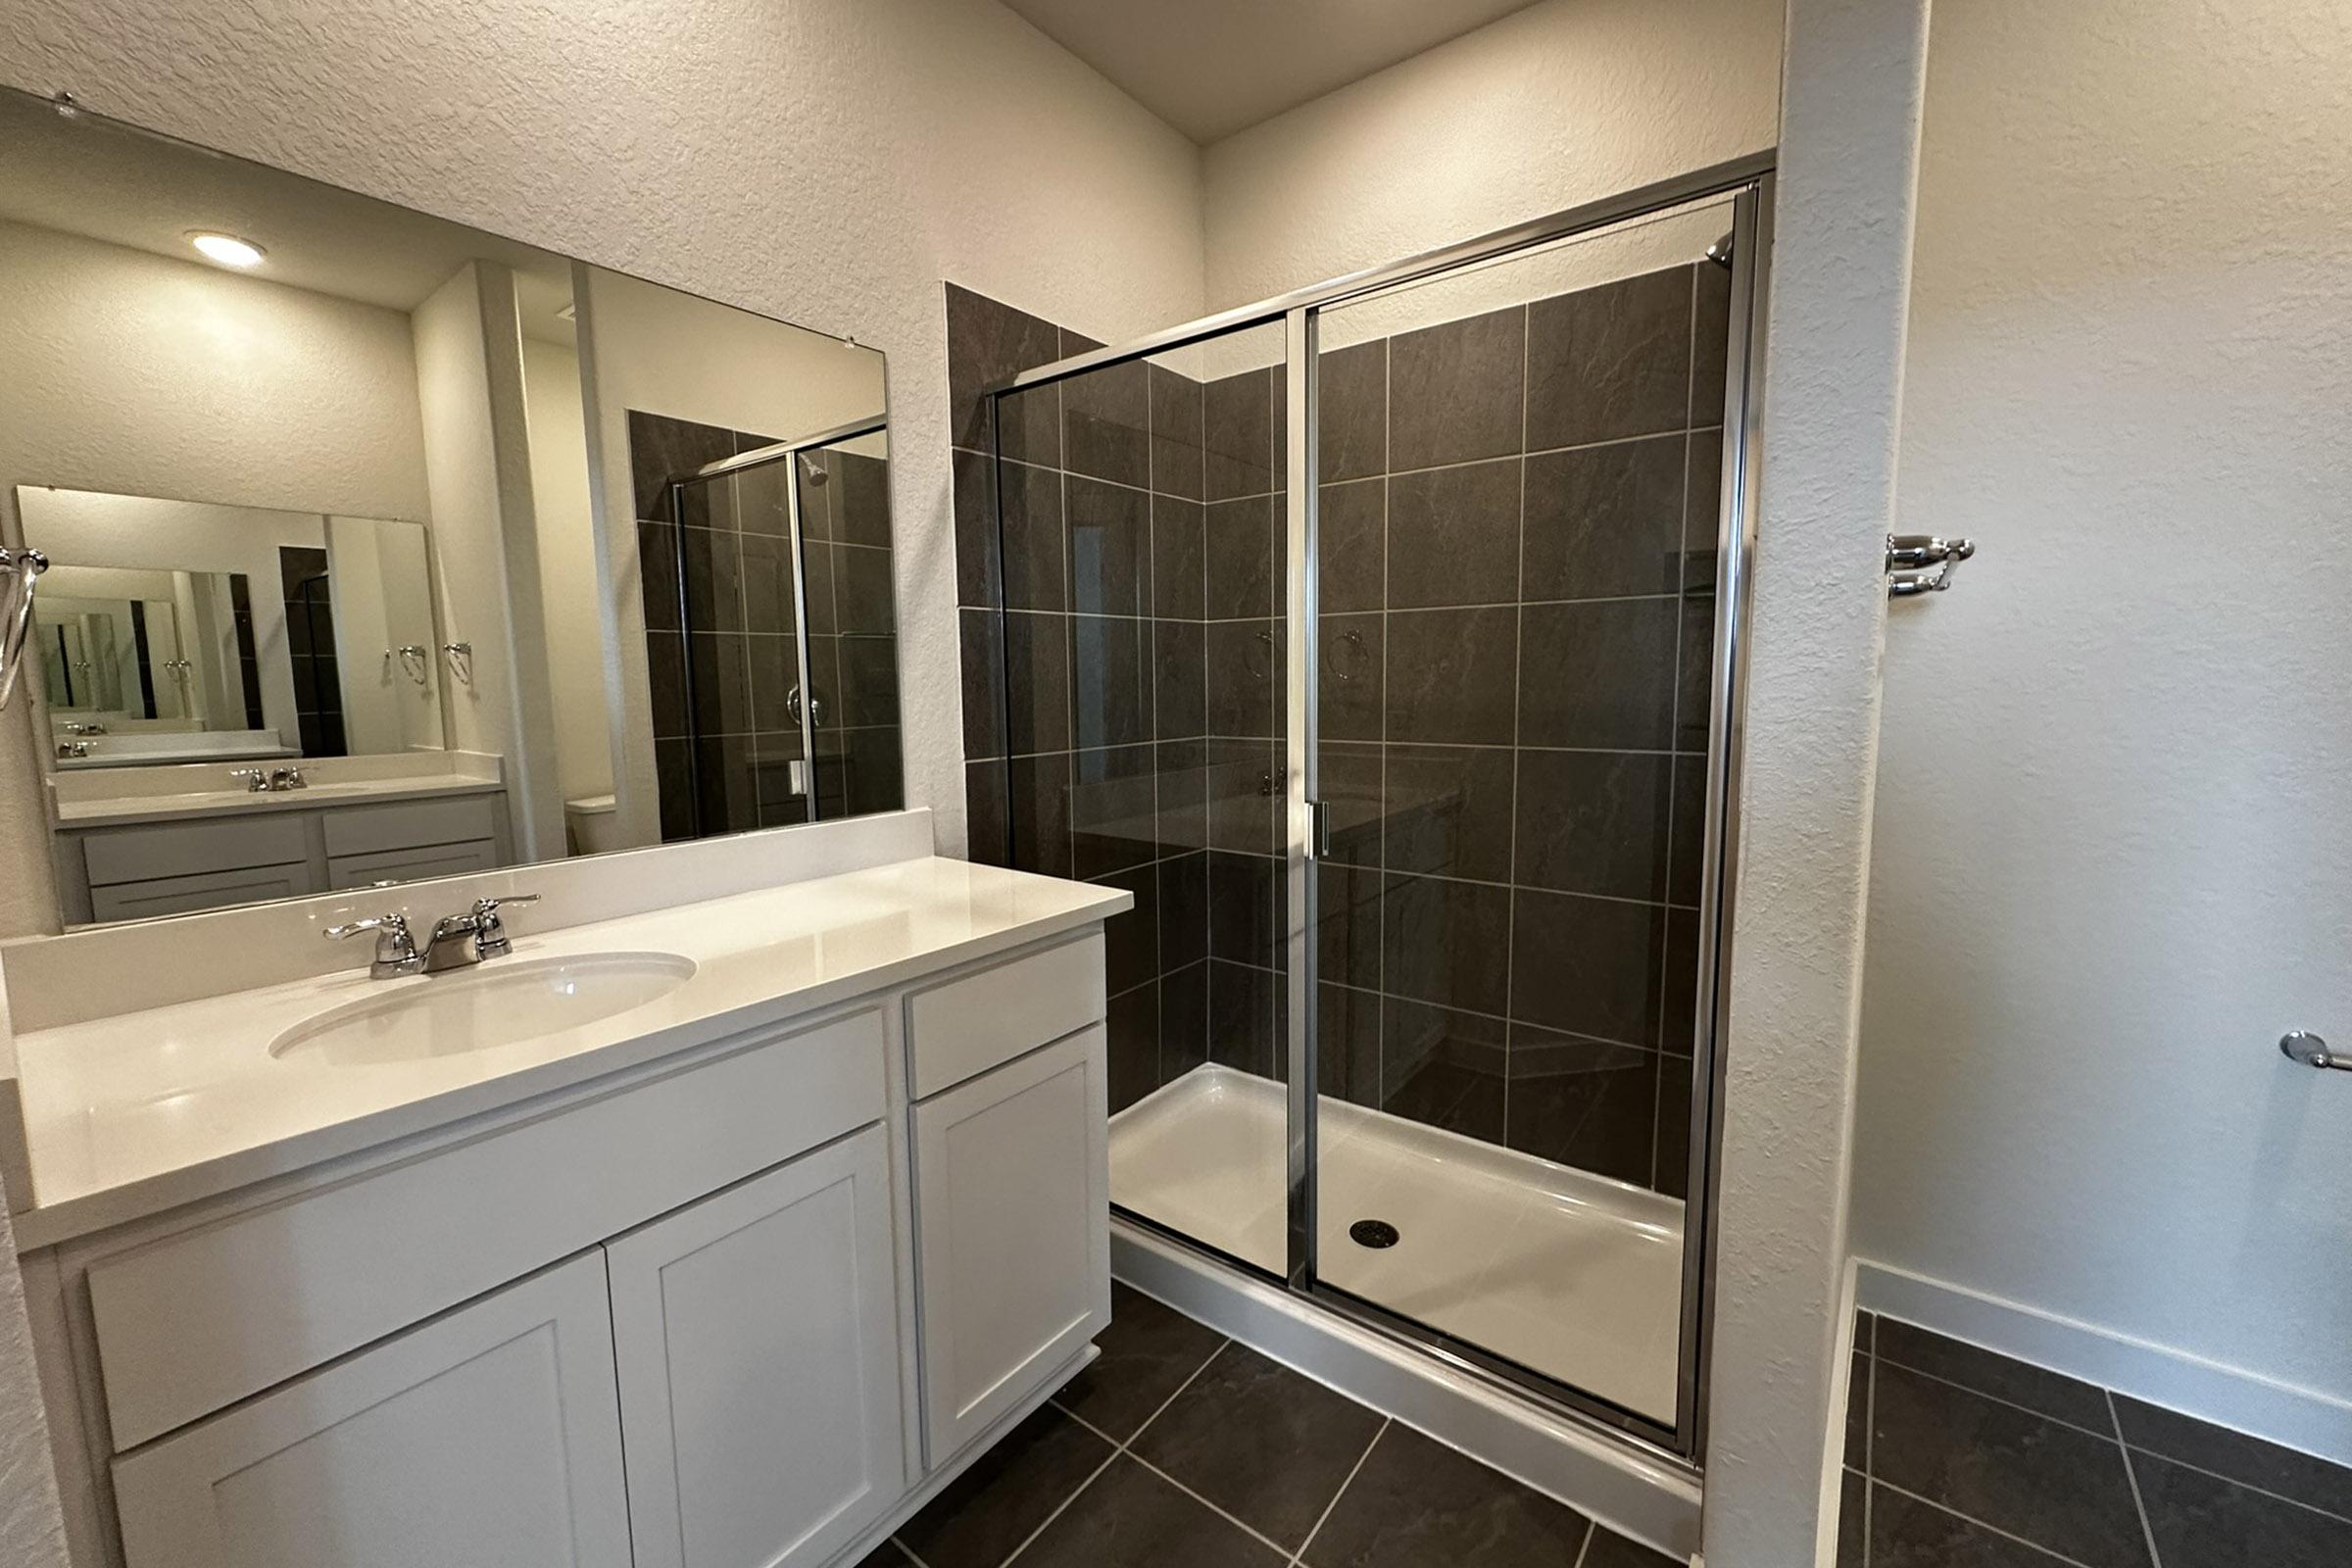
256 779
287 778
490 938
395 948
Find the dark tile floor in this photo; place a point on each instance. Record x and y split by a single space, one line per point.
1179 1449
1957 1458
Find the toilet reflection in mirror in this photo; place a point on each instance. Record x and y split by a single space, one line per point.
402 549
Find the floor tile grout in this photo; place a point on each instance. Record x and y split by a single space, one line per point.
2139 1505
1238 1523
2005 1535
2114 1435
1061 1507
1299 1557
1118 1449
2145 1452
1584 1548
1964 1388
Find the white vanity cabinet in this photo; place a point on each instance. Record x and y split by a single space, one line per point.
1012 1178
487 1435
757 1337
744 1306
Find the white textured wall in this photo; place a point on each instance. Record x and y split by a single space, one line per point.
1561 103
31 1530
827 160
576 657
477 453
2114 852
1833 392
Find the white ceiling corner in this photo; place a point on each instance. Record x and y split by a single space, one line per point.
1210 67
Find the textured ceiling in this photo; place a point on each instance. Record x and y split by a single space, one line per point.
1210 67
71 174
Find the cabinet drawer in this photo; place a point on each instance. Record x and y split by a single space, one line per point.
975 1022
207 890
411 865
190 849
190 1323
406 824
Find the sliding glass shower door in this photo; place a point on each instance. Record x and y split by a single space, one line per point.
1386 649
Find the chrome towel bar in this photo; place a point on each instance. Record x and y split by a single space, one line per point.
24 569
1909 556
2301 1045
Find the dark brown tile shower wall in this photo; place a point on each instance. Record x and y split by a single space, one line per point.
1514 641
1518 517
1097 744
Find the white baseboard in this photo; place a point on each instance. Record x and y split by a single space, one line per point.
2230 1397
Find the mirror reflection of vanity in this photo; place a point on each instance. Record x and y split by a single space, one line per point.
382 548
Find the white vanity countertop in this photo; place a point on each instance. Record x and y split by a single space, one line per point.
116 810
128 1115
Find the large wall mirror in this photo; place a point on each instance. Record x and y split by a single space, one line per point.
384 548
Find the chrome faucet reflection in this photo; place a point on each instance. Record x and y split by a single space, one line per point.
456 942
269 780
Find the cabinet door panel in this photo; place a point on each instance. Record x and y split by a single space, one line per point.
1013 1199
488 1436
757 1336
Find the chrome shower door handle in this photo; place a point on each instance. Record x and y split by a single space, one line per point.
2301 1045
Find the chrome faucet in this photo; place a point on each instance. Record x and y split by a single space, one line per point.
395 948
457 941
460 940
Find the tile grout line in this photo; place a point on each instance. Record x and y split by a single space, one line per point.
1989 1529
2116 1436
1510 906
1584 1548
1127 1448
2043 1415
2139 1505
1299 1557
1870 1435
1118 1449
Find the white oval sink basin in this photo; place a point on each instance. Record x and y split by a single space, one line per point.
496 1005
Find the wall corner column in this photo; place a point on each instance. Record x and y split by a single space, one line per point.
1854 76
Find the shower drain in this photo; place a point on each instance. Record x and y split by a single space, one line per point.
1372 1233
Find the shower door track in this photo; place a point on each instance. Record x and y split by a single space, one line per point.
1749 182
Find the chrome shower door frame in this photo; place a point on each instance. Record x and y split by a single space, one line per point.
1748 183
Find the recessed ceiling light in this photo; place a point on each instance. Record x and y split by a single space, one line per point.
226 249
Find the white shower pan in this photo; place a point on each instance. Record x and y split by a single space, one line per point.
1571 1275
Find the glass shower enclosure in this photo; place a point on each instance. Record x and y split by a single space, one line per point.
1385 639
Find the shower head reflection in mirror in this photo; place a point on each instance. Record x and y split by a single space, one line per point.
427 510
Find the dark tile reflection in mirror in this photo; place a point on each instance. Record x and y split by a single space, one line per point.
719 560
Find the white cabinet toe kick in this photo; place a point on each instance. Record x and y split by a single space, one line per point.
740 1308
